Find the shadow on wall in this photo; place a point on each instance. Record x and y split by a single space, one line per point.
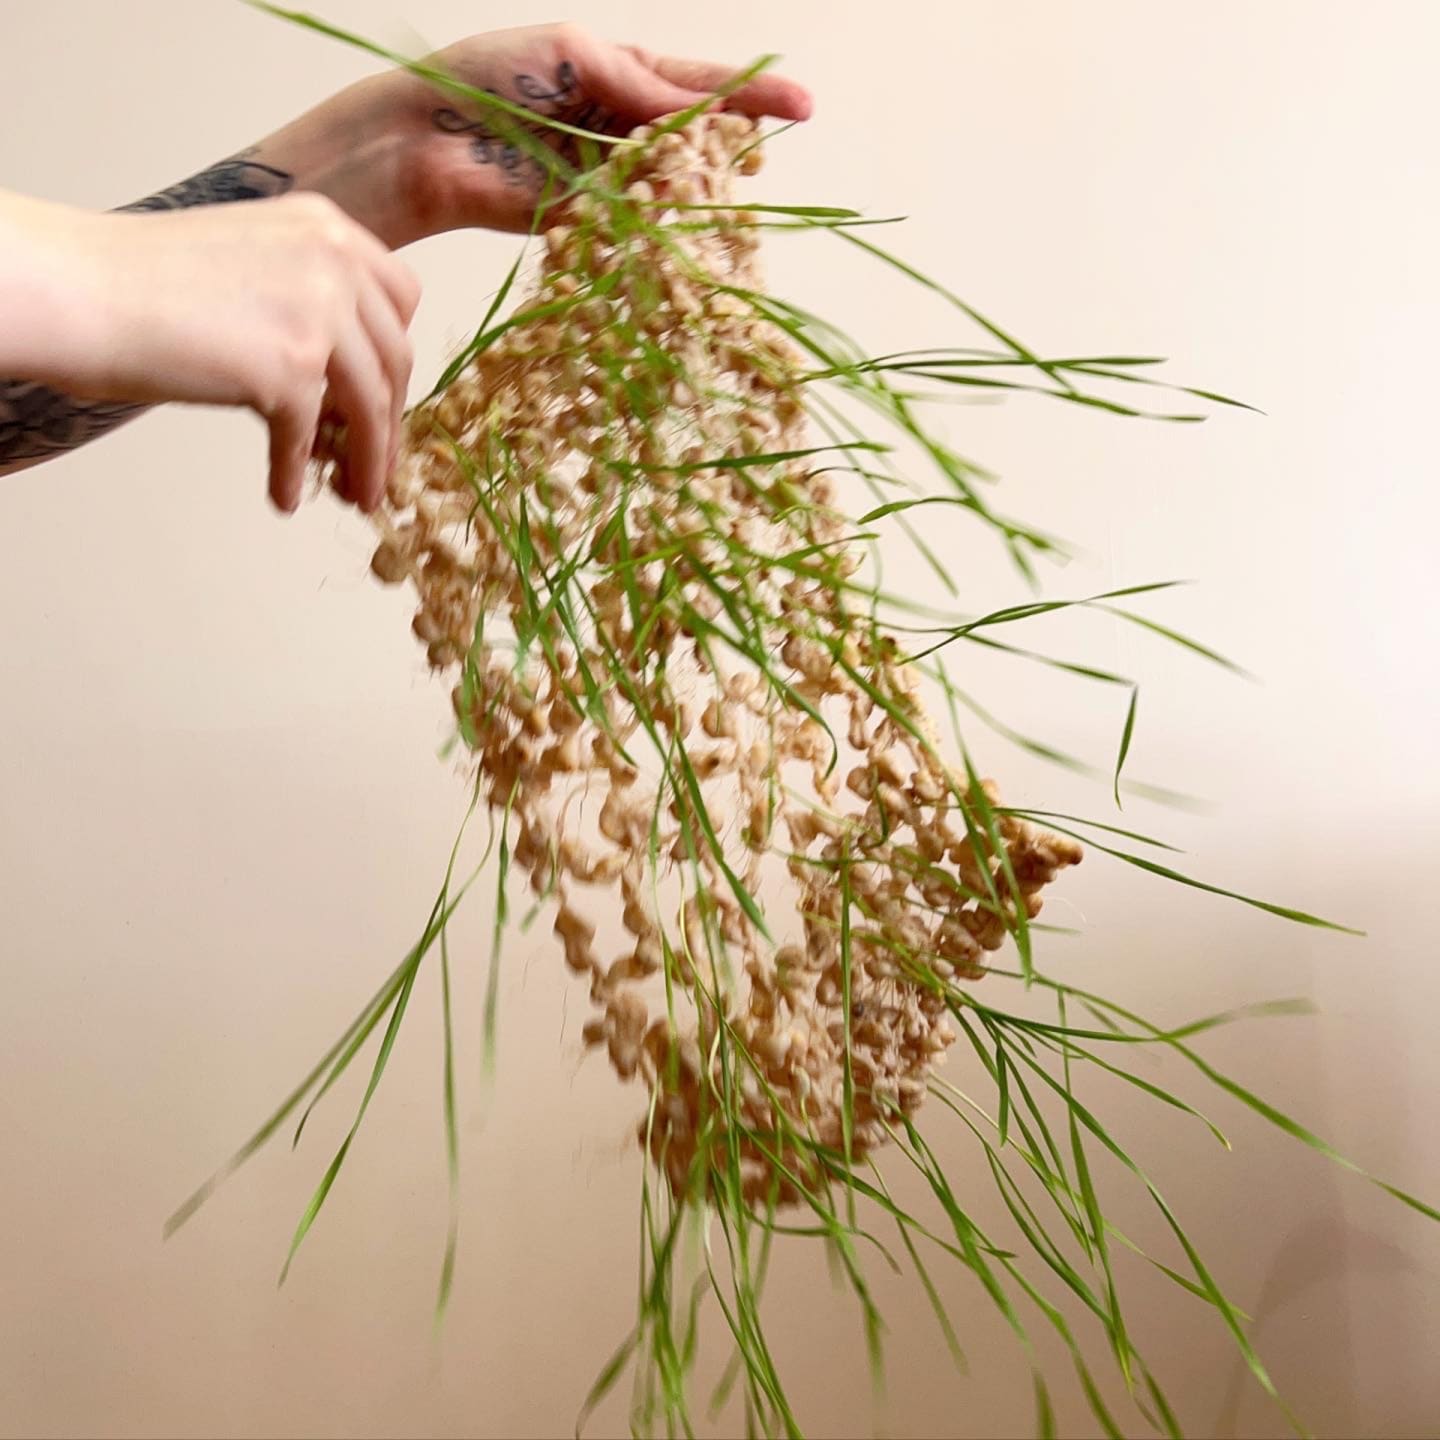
1318 1276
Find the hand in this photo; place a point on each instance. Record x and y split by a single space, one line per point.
419 161
282 305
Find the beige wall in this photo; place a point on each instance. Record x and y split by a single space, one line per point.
222 817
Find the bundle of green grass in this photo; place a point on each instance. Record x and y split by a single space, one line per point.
622 538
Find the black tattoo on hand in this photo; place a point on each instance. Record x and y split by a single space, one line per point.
37 422
563 99
486 147
562 93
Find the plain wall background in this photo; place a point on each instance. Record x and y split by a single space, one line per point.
222 817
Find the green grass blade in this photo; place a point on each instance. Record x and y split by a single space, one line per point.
1125 737
322 1191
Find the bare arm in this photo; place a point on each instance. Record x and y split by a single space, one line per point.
282 306
402 161
38 421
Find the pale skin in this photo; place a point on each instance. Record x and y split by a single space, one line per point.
292 304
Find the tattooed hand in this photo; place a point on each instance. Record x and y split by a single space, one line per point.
400 157
443 166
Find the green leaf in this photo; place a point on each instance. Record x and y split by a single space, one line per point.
1125 738
322 1191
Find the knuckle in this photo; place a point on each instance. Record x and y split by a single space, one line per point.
372 410
337 244
409 287
328 228
313 212
319 300
342 233
301 361
318 207
398 368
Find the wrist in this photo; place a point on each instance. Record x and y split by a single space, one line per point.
51 291
348 148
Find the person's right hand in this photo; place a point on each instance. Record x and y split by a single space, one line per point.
283 305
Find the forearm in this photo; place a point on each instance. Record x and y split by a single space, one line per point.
41 337
38 337
44 411
349 149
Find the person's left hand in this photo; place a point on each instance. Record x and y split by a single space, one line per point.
419 161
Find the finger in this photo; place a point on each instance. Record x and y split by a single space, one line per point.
766 94
332 422
361 390
401 285
619 79
394 276
292 439
392 345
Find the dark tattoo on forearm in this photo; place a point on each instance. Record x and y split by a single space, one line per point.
37 422
238 178
563 99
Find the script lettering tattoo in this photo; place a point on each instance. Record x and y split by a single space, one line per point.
561 99
37 422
